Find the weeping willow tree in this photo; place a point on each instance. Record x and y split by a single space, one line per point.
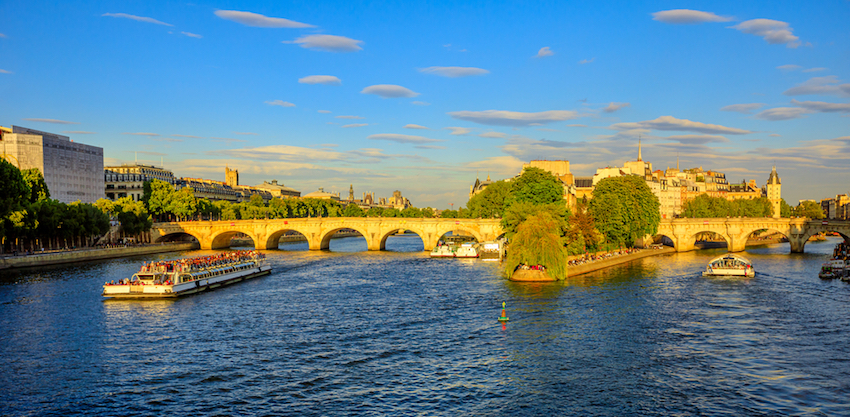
539 241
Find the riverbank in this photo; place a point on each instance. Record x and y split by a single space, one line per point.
84 255
575 270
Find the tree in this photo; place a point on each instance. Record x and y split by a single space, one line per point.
38 188
375 212
428 212
353 210
391 212
785 209
625 209
519 212
448 214
411 212
182 203
13 189
809 209
160 198
537 242
535 186
490 203
582 235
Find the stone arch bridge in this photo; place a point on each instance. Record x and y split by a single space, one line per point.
318 231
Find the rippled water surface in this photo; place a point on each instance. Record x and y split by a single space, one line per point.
350 332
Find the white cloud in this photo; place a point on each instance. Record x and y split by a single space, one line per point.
324 111
389 91
329 43
2 71
258 20
824 107
136 18
320 79
420 103
670 123
697 139
227 140
773 31
544 51
280 103
614 107
788 67
78 132
576 125
816 69
148 134
454 72
413 126
820 85
775 135
429 147
54 121
687 17
458 130
356 125
587 61
742 108
349 117
188 136
514 118
495 135
3 36
192 35
393 137
782 113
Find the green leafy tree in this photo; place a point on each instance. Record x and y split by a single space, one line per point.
785 209
38 188
391 212
538 242
183 204
375 212
160 199
535 186
428 212
625 209
353 210
490 203
208 210
809 209
448 214
278 208
13 189
582 234
519 212
411 212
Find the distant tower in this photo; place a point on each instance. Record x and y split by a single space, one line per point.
773 191
640 154
351 192
231 176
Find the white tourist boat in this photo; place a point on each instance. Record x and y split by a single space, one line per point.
491 250
170 279
467 250
443 251
829 271
730 265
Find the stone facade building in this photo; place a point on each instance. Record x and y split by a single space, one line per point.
128 180
278 190
72 171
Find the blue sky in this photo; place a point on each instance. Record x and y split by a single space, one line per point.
423 97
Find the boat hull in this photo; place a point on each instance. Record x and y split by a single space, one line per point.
183 289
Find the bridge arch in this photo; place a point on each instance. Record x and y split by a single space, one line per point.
273 240
442 229
324 240
422 235
823 229
221 239
176 236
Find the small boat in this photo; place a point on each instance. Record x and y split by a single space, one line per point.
730 265
491 250
443 251
171 279
466 250
826 271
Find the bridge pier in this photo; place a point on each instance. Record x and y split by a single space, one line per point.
798 243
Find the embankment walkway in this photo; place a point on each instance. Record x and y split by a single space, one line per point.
90 254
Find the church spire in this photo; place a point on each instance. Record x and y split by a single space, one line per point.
640 154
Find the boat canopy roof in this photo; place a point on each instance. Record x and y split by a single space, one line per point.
731 257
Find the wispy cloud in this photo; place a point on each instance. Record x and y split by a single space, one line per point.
820 85
823 107
514 118
782 113
670 123
325 111
614 107
687 17
389 91
227 140
495 135
356 125
162 139
458 130
773 31
192 35
245 133
258 20
2 71
54 121
742 108
328 43
420 103
454 72
148 134
320 79
586 61
280 103
816 69
413 126
78 132
3 36
137 18
187 136
349 117
697 139
393 137
429 147
788 67
543 52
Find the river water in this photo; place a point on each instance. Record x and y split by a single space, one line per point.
350 332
